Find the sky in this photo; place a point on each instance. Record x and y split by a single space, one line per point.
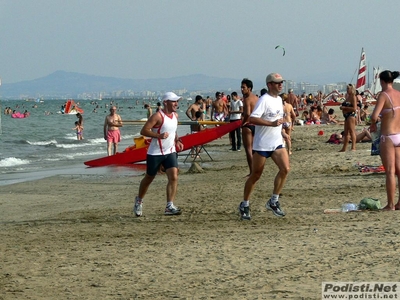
143 39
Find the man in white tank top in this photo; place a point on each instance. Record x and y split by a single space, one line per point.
161 127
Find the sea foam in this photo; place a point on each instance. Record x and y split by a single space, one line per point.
12 161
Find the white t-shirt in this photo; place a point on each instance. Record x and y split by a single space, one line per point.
268 138
235 106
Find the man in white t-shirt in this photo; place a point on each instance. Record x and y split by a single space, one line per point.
235 113
267 117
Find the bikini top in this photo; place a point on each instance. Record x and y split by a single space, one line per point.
386 110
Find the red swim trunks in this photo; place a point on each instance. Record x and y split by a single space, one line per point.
113 136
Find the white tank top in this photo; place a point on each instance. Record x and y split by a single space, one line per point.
164 146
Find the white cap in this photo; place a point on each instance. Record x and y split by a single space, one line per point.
170 96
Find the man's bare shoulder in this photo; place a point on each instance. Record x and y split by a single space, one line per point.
250 99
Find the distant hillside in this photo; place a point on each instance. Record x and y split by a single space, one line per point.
70 84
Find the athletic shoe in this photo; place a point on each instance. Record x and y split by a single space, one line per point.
172 210
239 150
276 209
137 208
244 212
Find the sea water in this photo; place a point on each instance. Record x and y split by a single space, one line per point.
45 143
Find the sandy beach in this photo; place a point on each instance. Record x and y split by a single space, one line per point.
75 237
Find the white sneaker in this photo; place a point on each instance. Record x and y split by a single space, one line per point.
137 208
172 210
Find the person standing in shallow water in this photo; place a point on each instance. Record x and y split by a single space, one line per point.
161 127
267 117
80 122
388 106
112 135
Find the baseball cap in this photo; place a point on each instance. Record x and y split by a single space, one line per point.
274 77
170 96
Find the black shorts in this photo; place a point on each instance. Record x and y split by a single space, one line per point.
251 127
155 161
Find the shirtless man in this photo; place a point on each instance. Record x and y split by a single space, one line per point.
208 106
249 101
289 117
293 100
111 130
219 110
195 107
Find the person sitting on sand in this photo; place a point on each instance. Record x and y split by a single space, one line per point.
361 137
314 116
319 112
364 113
329 117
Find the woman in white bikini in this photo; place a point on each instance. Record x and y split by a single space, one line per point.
387 107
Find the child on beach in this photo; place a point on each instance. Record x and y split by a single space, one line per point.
79 131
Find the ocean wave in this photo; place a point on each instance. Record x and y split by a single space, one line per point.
74 145
85 154
12 161
42 143
97 141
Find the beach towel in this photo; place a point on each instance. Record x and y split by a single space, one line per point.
370 168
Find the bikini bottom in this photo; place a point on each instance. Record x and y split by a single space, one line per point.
395 138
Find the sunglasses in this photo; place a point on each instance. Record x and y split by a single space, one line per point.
281 82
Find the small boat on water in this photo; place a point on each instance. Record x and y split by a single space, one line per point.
71 108
139 152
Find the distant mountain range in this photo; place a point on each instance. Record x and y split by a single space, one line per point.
61 84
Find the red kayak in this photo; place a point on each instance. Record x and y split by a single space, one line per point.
189 141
